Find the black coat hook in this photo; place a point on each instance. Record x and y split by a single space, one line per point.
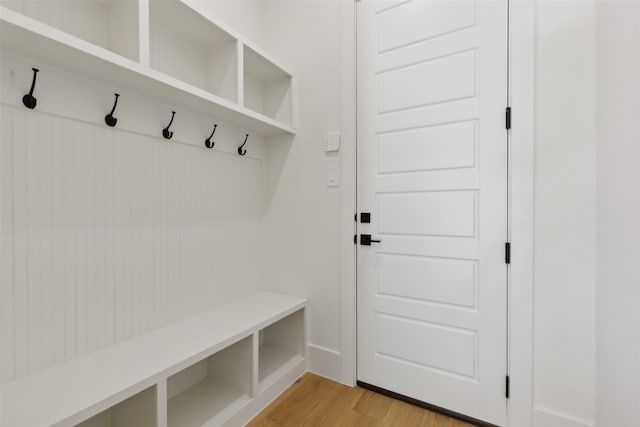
208 142
166 132
240 150
109 119
29 100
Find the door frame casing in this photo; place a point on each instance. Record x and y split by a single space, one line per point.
520 310
522 139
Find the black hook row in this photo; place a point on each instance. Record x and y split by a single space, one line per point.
208 142
109 119
30 102
166 132
240 150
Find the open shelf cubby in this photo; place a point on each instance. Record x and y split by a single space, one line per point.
191 48
110 24
212 390
267 87
139 410
281 346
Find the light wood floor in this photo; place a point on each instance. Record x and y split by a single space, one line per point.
317 401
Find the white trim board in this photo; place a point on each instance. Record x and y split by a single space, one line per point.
521 90
545 417
349 227
324 361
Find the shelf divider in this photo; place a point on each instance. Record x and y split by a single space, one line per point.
143 33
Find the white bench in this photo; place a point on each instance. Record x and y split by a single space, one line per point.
218 368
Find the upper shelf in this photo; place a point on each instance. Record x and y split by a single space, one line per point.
189 47
267 87
196 65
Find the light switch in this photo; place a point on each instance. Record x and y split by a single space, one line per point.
332 142
333 172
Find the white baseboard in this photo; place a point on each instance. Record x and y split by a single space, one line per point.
545 417
325 362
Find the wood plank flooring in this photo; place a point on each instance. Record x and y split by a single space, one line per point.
317 401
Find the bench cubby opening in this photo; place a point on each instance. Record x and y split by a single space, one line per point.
210 391
280 346
139 410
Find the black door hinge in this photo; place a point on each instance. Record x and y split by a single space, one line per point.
506 388
507 253
355 239
508 118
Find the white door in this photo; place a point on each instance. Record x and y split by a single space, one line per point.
432 173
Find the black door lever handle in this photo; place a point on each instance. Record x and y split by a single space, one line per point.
366 240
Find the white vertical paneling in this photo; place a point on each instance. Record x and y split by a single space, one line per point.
7 259
68 222
242 211
34 132
91 240
157 238
98 294
119 234
20 306
108 234
82 186
109 213
135 260
56 285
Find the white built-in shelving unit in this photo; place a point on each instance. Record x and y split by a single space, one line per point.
216 369
170 50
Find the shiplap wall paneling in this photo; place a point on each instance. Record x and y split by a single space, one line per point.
7 308
241 206
107 234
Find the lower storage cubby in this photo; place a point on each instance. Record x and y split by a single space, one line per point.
281 346
139 410
212 390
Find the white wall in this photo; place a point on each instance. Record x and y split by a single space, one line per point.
303 218
245 17
618 289
565 197
308 251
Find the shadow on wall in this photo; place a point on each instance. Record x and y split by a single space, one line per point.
277 154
